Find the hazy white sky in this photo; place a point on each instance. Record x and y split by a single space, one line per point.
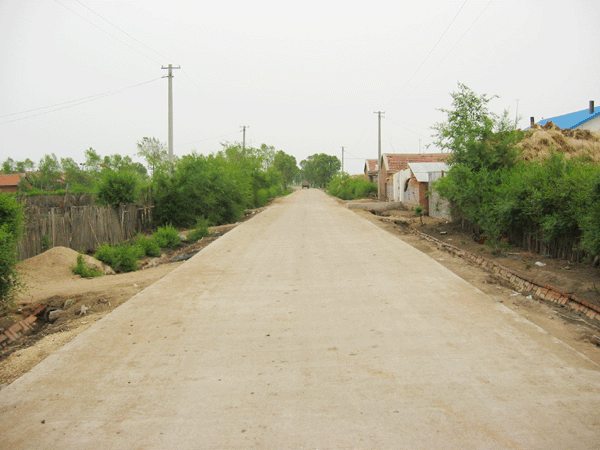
305 77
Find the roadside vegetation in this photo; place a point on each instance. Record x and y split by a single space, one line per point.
193 192
550 203
11 219
350 188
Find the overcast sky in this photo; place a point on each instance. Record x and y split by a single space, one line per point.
305 77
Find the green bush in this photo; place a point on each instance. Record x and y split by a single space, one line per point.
117 187
148 245
122 258
11 219
347 188
200 230
167 236
81 268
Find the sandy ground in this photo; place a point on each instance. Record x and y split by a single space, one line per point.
50 281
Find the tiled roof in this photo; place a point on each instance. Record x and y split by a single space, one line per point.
572 120
11 179
371 165
399 161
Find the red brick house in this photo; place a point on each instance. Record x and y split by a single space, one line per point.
371 169
9 183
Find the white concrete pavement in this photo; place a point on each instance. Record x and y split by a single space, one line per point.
308 327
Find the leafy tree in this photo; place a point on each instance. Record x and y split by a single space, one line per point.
286 164
117 187
11 219
346 187
78 179
155 154
49 176
201 186
12 166
93 161
320 168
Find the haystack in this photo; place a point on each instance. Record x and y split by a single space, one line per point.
544 140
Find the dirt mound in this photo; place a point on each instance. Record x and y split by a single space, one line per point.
544 140
55 265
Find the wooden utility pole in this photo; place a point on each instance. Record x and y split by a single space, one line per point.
379 172
170 77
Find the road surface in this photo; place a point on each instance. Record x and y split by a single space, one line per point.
308 327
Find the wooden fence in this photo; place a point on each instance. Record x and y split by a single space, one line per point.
82 228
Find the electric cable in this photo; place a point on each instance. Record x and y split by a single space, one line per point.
428 55
71 103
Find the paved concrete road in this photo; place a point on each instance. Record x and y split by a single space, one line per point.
308 328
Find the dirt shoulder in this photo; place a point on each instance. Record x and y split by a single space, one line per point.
571 327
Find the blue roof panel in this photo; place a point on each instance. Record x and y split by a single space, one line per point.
571 120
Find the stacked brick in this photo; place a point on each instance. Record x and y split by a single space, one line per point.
20 329
518 281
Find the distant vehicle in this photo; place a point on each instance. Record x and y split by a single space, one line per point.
305 184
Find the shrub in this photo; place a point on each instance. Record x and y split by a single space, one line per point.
117 187
122 258
11 219
148 245
200 230
167 236
81 268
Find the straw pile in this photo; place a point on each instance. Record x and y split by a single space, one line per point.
544 140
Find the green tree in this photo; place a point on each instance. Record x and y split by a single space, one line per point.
76 177
49 176
155 154
286 164
320 168
117 187
11 219
12 166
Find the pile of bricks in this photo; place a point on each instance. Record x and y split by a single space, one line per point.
20 329
519 282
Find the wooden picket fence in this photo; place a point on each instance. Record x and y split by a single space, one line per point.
82 228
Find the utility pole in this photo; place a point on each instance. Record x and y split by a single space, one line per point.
244 139
379 172
170 77
342 159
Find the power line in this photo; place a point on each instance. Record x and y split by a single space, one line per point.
72 103
429 54
457 42
208 139
106 32
122 31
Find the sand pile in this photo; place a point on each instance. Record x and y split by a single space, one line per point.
55 264
546 139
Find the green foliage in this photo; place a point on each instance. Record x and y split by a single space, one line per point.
12 166
553 201
347 188
200 230
418 210
81 268
148 245
122 258
117 187
167 236
286 164
46 242
11 219
156 156
319 169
